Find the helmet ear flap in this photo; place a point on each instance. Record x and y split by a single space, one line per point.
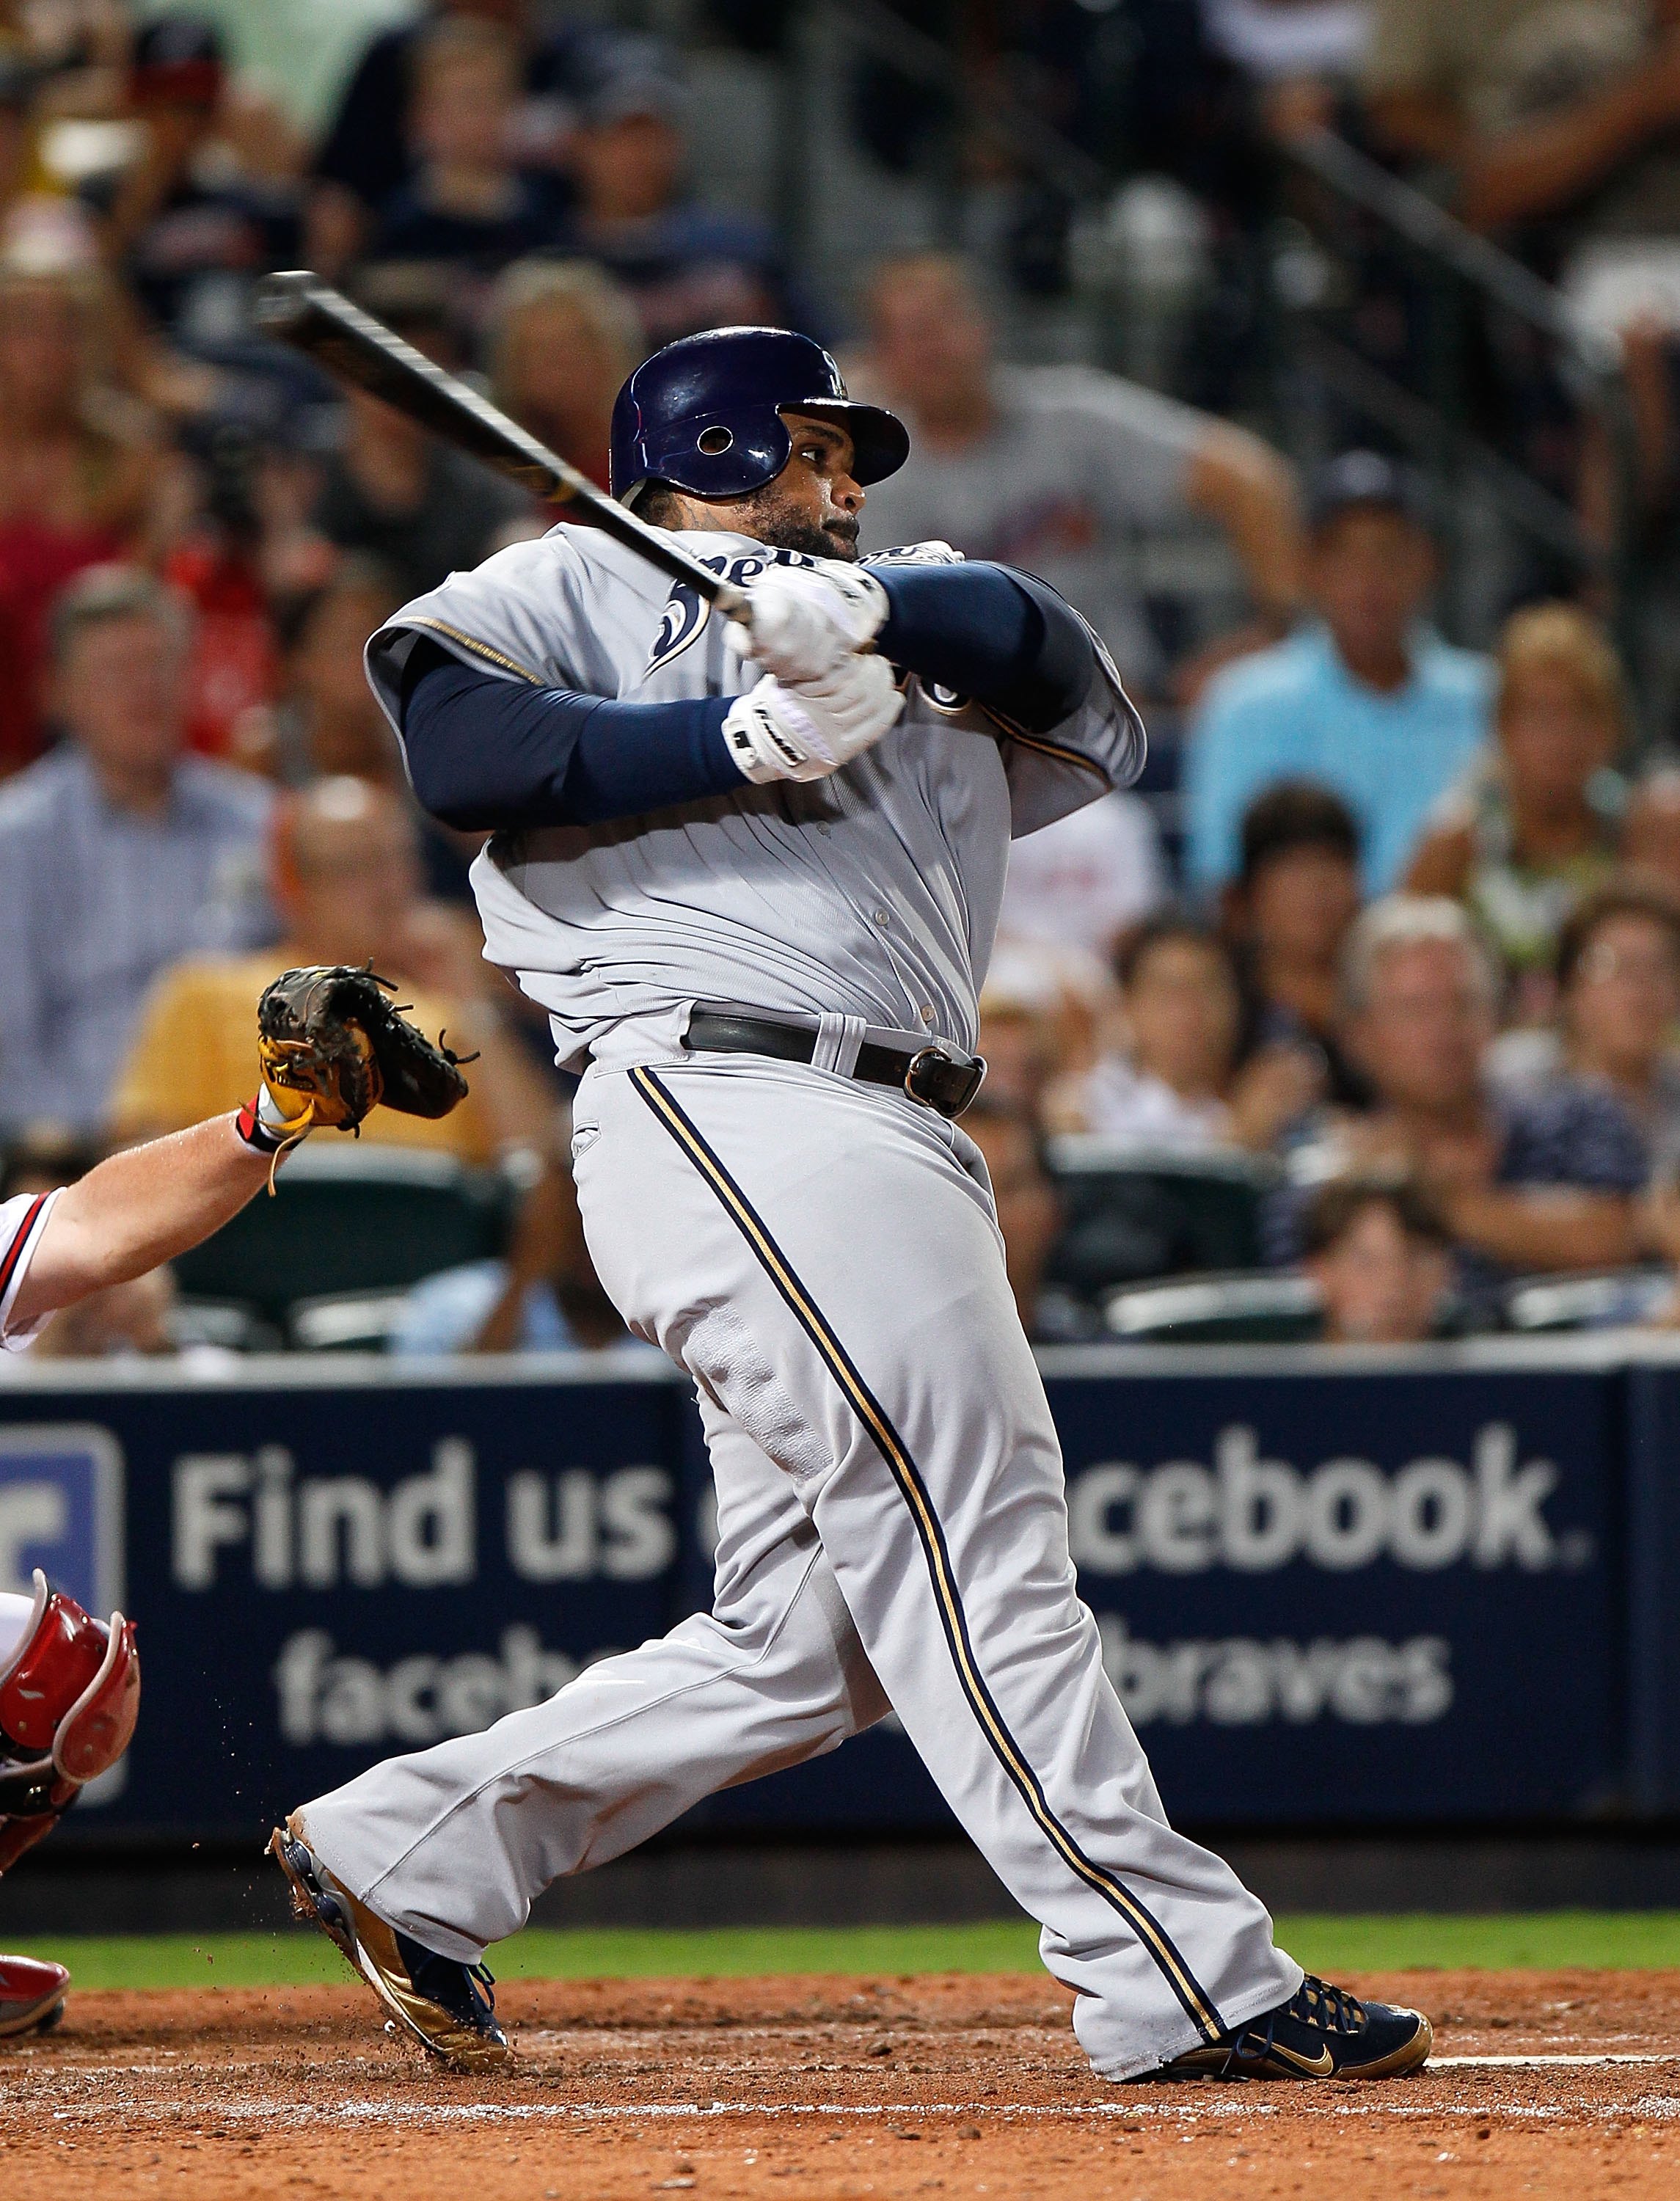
100 1725
71 1691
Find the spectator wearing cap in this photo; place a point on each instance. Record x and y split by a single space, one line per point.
1172 1083
467 206
1536 823
685 265
298 54
1618 998
1367 700
191 239
117 853
1380 1253
563 337
78 474
391 492
1041 1011
1064 470
1531 1180
1288 916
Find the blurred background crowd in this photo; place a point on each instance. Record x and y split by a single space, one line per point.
1325 353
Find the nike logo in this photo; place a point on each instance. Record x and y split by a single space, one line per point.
1318 2066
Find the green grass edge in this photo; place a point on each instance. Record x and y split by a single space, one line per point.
1542 1940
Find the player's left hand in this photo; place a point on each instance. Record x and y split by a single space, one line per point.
806 619
808 728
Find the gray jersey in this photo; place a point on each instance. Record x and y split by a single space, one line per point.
873 893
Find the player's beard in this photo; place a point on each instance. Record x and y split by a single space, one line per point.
772 519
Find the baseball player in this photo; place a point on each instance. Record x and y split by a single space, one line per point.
752 871
331 1047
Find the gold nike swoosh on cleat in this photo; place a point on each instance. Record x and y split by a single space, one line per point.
1318 2066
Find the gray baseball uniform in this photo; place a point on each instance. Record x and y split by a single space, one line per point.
823 1256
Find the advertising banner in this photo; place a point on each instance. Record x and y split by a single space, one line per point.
1329 1598
1338 1599
1325 1597
323 1574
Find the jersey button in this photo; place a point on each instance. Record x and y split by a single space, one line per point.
882 916
927 1012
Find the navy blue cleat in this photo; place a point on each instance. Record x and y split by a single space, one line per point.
1322 2031
446 2006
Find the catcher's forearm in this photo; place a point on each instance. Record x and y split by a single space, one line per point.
138 1210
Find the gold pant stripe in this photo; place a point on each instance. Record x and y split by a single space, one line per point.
1196 2002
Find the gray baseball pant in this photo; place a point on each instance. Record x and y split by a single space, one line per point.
822 1257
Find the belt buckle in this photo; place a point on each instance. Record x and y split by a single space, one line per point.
925 1061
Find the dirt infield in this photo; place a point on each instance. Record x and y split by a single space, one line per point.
954 2084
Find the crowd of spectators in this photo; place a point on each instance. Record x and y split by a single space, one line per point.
1399 954
1459 1060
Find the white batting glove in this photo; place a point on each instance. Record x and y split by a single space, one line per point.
784 731
805 620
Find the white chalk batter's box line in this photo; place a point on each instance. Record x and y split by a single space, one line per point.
1661 2108
1537 2062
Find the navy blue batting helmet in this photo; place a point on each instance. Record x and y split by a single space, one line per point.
705 415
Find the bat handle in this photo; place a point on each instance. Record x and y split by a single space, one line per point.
734 602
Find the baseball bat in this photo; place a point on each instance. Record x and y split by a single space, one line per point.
297 309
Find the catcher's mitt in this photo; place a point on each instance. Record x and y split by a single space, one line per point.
329 1035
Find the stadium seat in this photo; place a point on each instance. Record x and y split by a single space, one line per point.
1612 1300
345 1322
349 1218
1256 1309
1133 1214
227 1325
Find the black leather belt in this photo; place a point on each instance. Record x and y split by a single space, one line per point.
941 1077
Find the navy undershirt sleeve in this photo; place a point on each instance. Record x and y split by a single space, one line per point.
1000 636
483 751
488 752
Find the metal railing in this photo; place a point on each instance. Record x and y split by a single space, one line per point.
1460 277
1465 280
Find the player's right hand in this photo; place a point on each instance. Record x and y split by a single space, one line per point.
806 730
805 620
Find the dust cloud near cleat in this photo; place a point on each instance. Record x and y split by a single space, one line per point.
1322 2031
445 2005
32 1996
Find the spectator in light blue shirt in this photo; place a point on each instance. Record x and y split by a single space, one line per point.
118 854
1368 702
